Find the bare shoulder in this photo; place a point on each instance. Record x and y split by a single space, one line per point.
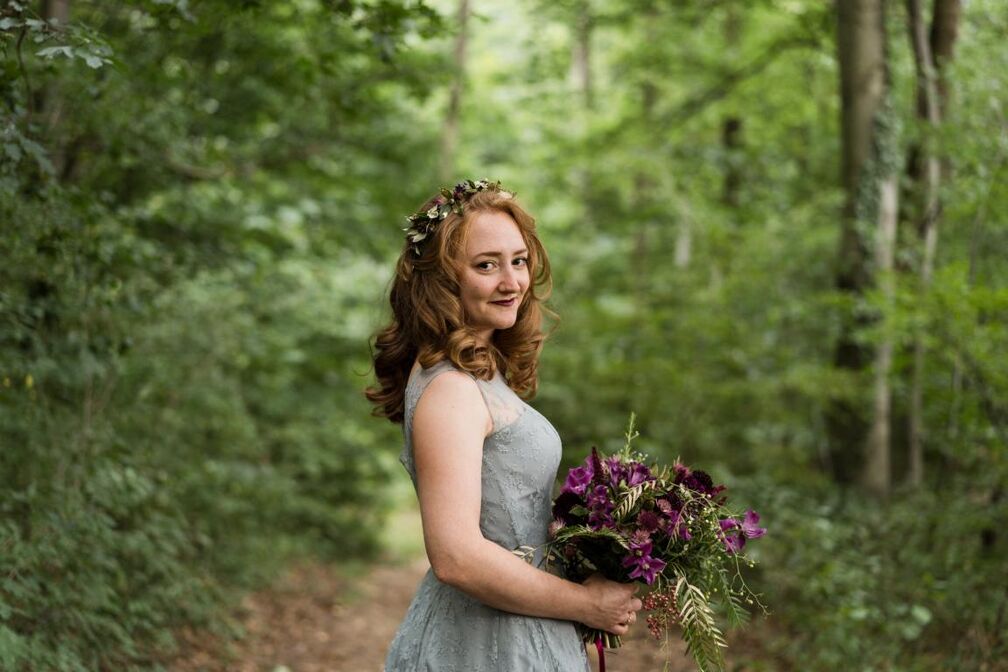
452 399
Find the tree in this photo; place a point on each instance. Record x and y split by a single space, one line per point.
450 130
859 446
932 52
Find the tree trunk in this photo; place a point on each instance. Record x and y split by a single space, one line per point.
450 131
50 104
944 32
859 450
56 10
731 124
932 92
581 74
876 470
581 54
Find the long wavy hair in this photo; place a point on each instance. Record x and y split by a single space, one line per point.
429 322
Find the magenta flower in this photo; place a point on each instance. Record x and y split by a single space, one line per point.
733 543
750 525
617 471
644 566
735 531
578 480
639 473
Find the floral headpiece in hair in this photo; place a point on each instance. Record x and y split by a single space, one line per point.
423 222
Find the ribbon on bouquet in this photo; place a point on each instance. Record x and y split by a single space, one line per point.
601 652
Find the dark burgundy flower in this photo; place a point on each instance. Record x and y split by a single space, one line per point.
648 521
700 482
681 472
598 475
563 505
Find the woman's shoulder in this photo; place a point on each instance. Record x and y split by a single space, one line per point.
446 392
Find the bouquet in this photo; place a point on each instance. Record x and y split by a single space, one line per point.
668 527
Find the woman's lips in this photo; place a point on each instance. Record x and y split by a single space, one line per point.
509 302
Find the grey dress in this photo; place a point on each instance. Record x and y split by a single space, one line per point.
446 630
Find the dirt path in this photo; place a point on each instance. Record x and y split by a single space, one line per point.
321 618
317 620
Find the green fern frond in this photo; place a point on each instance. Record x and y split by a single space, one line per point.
631 497
583 531
704 640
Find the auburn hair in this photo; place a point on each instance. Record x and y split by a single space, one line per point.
428 320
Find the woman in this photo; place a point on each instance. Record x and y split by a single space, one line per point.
464 341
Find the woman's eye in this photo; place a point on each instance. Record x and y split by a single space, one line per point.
484 266
521 261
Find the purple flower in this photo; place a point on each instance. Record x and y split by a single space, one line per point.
640 537
638 474
600 507
733 543
633 473
644 566
666 507
750 525
617 471
735 531
598 497
578 480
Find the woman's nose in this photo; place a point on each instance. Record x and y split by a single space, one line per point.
509 279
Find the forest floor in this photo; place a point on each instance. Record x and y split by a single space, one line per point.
326 618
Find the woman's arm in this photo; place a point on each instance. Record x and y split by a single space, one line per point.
449 425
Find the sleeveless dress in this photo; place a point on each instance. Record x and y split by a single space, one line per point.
446 630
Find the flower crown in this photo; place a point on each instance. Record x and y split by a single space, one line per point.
423 222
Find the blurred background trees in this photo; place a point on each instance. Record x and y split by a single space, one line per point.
777 234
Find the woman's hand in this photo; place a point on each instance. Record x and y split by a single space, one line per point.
613 606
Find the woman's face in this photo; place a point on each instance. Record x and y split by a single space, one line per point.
495 273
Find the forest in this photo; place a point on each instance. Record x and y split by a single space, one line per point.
778 236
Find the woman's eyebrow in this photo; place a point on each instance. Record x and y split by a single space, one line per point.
499 254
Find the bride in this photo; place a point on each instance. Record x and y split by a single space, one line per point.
452 366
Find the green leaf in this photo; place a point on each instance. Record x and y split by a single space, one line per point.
51 52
